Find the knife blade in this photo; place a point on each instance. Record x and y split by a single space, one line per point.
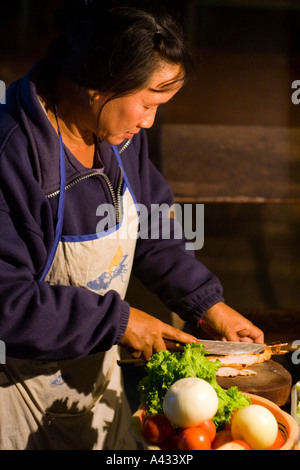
212 347
219 348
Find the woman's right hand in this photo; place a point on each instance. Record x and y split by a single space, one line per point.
144 334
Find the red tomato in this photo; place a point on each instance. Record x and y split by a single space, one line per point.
278 443
194 438
210 428
227 426
242 444
221 438
156 428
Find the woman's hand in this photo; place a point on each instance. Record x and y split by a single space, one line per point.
223 323
144 334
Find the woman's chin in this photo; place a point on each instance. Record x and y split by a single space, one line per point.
117 140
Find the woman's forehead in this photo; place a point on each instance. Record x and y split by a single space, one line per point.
166 78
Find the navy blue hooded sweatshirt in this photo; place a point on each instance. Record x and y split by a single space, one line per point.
47 322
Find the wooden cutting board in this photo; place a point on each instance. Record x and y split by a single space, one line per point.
272 381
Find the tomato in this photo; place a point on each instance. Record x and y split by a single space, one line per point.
221 438
227 426
278 443
209 426
156 428
194 438
233 445
242 444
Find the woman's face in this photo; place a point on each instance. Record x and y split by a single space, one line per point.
123 117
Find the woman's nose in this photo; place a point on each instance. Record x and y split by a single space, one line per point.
148 119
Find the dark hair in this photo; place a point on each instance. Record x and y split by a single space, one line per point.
115 50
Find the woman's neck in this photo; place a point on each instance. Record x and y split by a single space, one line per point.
71 110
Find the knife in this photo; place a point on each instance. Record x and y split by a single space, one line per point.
212 347
219 348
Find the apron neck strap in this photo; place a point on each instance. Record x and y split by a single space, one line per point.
61 201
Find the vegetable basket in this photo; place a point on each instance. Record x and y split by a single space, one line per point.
295 407
286 423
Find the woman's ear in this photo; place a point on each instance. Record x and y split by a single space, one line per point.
95 96
92 96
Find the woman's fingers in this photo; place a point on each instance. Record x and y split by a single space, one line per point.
170 332
145 334
232 325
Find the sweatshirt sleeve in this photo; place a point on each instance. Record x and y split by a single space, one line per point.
38 320
162 261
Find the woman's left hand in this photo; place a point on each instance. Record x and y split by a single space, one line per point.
223 323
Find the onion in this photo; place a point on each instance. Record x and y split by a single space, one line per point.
190 401
255 425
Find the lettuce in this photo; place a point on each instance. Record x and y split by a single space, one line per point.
165 367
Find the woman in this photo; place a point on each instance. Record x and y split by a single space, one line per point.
72 144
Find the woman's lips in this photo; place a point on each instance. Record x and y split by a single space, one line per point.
129 135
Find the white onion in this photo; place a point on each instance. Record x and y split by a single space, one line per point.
190 401
255 425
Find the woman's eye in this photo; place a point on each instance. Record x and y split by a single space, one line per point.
153 107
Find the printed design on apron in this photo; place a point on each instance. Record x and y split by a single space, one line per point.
98 262
117 268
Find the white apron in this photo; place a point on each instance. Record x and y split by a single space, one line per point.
77 404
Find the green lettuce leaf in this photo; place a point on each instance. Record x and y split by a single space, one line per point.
165 368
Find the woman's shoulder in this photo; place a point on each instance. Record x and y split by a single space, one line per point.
10 131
